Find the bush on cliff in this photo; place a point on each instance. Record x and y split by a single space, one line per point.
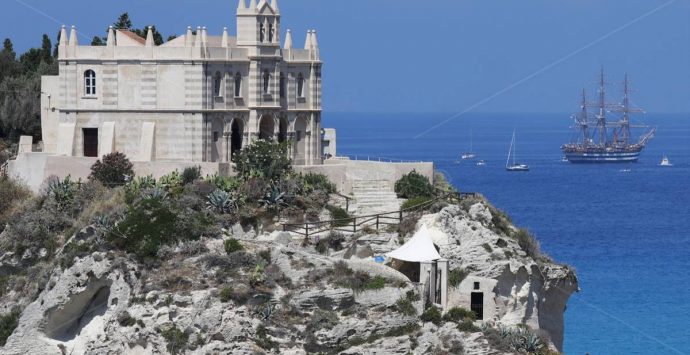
113 169
413 185
8 323
263 158
528 243
11 194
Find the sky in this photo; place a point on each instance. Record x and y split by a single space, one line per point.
442 56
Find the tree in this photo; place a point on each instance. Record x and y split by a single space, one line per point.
123 22
113 170
8 60
7 46
263 158
97 41
46 49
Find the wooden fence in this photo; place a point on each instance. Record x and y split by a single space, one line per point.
376 221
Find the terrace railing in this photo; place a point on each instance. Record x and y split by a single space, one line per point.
374 221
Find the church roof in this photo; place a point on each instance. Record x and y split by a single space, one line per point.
129 38
419 248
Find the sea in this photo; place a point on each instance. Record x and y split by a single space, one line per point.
624 228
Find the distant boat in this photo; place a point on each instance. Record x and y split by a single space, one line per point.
481 163
470 154
625 170
665 162
514 166
564 159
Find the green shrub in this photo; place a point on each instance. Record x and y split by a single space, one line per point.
405 306
528 243
263 158
457 314
467 325
377 283
126 320
8 323
432 314
488 248
313 182
456 276
176 340
415 201
227 184
191 174
220 201
113 169
146 227
232 245
12 192
413 185
339 216
225 294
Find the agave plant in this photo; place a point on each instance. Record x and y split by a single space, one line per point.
274 199
155 193
220 201
62 191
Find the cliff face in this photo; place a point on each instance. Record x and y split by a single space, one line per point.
526 289
281 296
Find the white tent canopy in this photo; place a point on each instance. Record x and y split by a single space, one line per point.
419 248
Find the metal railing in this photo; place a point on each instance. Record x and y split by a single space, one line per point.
374 159
375 221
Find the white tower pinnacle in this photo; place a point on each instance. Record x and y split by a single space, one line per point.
63 36
288 39
224 41
149 37
111 37
241 5
73 41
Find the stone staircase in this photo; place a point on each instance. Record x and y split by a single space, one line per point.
373 196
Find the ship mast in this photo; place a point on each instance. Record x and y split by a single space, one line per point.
583 120
625 122
601 117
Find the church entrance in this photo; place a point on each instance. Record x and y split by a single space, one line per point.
90 142
266 128
477 304
236 133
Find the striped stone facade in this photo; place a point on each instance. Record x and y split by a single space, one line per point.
205 96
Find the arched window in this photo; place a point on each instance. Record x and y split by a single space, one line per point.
300 85
238 85
282 85
217 84
266 81
90 82
270 33
262 31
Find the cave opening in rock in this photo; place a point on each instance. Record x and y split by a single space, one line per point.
66 322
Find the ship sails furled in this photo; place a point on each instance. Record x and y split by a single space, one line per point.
601 140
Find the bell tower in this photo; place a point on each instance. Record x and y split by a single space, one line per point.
258 24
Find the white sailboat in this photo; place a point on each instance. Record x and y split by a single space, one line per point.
514 166
665 162
470 154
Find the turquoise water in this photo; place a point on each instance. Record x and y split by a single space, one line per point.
626 233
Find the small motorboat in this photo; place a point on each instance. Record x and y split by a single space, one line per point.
665 162
481 163
625 170
468 156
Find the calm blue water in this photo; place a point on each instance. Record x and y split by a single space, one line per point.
626 233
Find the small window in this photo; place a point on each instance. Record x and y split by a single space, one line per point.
266 82
90 83
476 285
300 86
238 85
217 84
282 85
270 33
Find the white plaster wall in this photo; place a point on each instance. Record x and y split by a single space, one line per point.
50 85
461 296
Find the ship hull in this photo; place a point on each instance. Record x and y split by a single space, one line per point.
594 156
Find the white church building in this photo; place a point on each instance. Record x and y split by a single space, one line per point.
197 98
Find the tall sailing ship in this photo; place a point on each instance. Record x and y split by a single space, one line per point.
600 140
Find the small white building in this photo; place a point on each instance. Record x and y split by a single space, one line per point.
197 98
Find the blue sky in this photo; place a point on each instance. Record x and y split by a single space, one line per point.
437 56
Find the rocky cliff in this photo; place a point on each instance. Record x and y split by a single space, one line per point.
281 294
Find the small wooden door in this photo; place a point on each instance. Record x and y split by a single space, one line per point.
477 304
90 142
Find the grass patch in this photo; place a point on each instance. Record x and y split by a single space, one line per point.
232 245
8 323
456 276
